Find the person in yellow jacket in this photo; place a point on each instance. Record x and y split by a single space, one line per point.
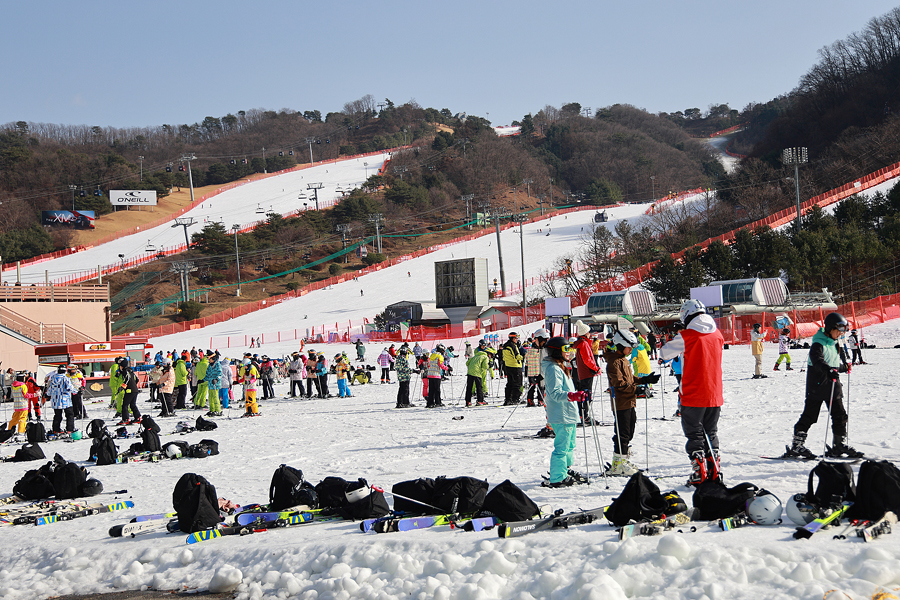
115 385
512 355
249 376
20 397
200 397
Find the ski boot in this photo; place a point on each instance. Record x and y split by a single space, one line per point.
777 367
789 367
842 450
568 481
577 477
621 466
699 474
713 467
798 449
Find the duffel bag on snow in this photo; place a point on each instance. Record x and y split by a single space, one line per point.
34 486
206 424
28 452
508 503
177 449
459 494
331 492
877 491
289 489
68 480
195 501
5 434
640 499
414 497
362 502
204 448
715 501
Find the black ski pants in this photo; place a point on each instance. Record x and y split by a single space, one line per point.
58 416
584 408
623 432
296 383
473 380
310 381
513 384
166 400
816 396
323 386
130 401
181 395
78 406
857 356
403 393
697 421
434 392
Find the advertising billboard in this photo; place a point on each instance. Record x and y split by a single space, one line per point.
80 219
132 197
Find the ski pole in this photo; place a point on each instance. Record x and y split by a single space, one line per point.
597 447
647 427
594 393
712 453
515 408
584 426
384 491
848 406
827 420
663 392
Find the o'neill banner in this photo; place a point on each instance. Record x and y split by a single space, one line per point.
132 197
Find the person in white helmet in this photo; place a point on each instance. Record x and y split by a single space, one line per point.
701 344
533 357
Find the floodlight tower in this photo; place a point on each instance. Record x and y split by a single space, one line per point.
796 157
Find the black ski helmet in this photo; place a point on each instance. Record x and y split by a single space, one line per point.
555 347
835 321
92 487
785 331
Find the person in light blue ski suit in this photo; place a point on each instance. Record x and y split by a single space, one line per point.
562 413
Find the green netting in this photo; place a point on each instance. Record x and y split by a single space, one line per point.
140 282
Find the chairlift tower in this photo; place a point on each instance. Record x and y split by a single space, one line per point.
185 222
315 187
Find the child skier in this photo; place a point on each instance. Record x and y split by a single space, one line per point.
757 337
562 414
404 374
341 368
784 344
623 385
823 385
701 344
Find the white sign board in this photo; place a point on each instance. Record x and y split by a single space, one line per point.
132 197
709 295
558 307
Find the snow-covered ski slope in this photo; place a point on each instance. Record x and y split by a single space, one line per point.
242 205
413 280
365 436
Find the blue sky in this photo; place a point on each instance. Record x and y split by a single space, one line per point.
124 63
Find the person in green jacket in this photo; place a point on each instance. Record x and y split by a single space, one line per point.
115 385
181 382
475 375
199 399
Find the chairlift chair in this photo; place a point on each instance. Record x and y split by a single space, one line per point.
260 210
150 246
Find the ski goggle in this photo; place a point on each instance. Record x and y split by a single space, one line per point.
566 349
841 327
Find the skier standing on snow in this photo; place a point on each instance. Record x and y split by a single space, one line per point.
312 379
385 360
823 385
297 372
476 369
512 363
586 367
562 414
360 351
623 385
784 345
757 337
404 374
533 358
700 343
60 388
855 348
434 373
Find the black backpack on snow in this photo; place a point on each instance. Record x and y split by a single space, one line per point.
148 423
150 438
640 499
372 506
95 429
330 492
35 432
195 501
877 491
834 486
459 494
68 480
104 450
508 503
5 434
414 497
289 489
206 424
28 452
34 485
715 501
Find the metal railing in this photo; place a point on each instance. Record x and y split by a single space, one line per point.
51 293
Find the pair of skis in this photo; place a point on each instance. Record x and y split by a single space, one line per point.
249 523
656 526
456 521
56 515
557 520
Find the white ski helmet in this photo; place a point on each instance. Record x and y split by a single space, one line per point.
357 491
689 308
765 508
542 333
800 511
173 451
624 338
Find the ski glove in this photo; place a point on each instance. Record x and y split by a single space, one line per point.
834 374
844 368
647 379
577 396
201 380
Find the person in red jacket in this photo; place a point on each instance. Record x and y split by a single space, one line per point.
701 343
587 367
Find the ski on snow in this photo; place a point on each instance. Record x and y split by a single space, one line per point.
657 526
84 512
883 525
557 520
254 527
809 529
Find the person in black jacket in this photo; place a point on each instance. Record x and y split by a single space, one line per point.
130 385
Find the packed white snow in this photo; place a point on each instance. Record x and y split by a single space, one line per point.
242 205
364 436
